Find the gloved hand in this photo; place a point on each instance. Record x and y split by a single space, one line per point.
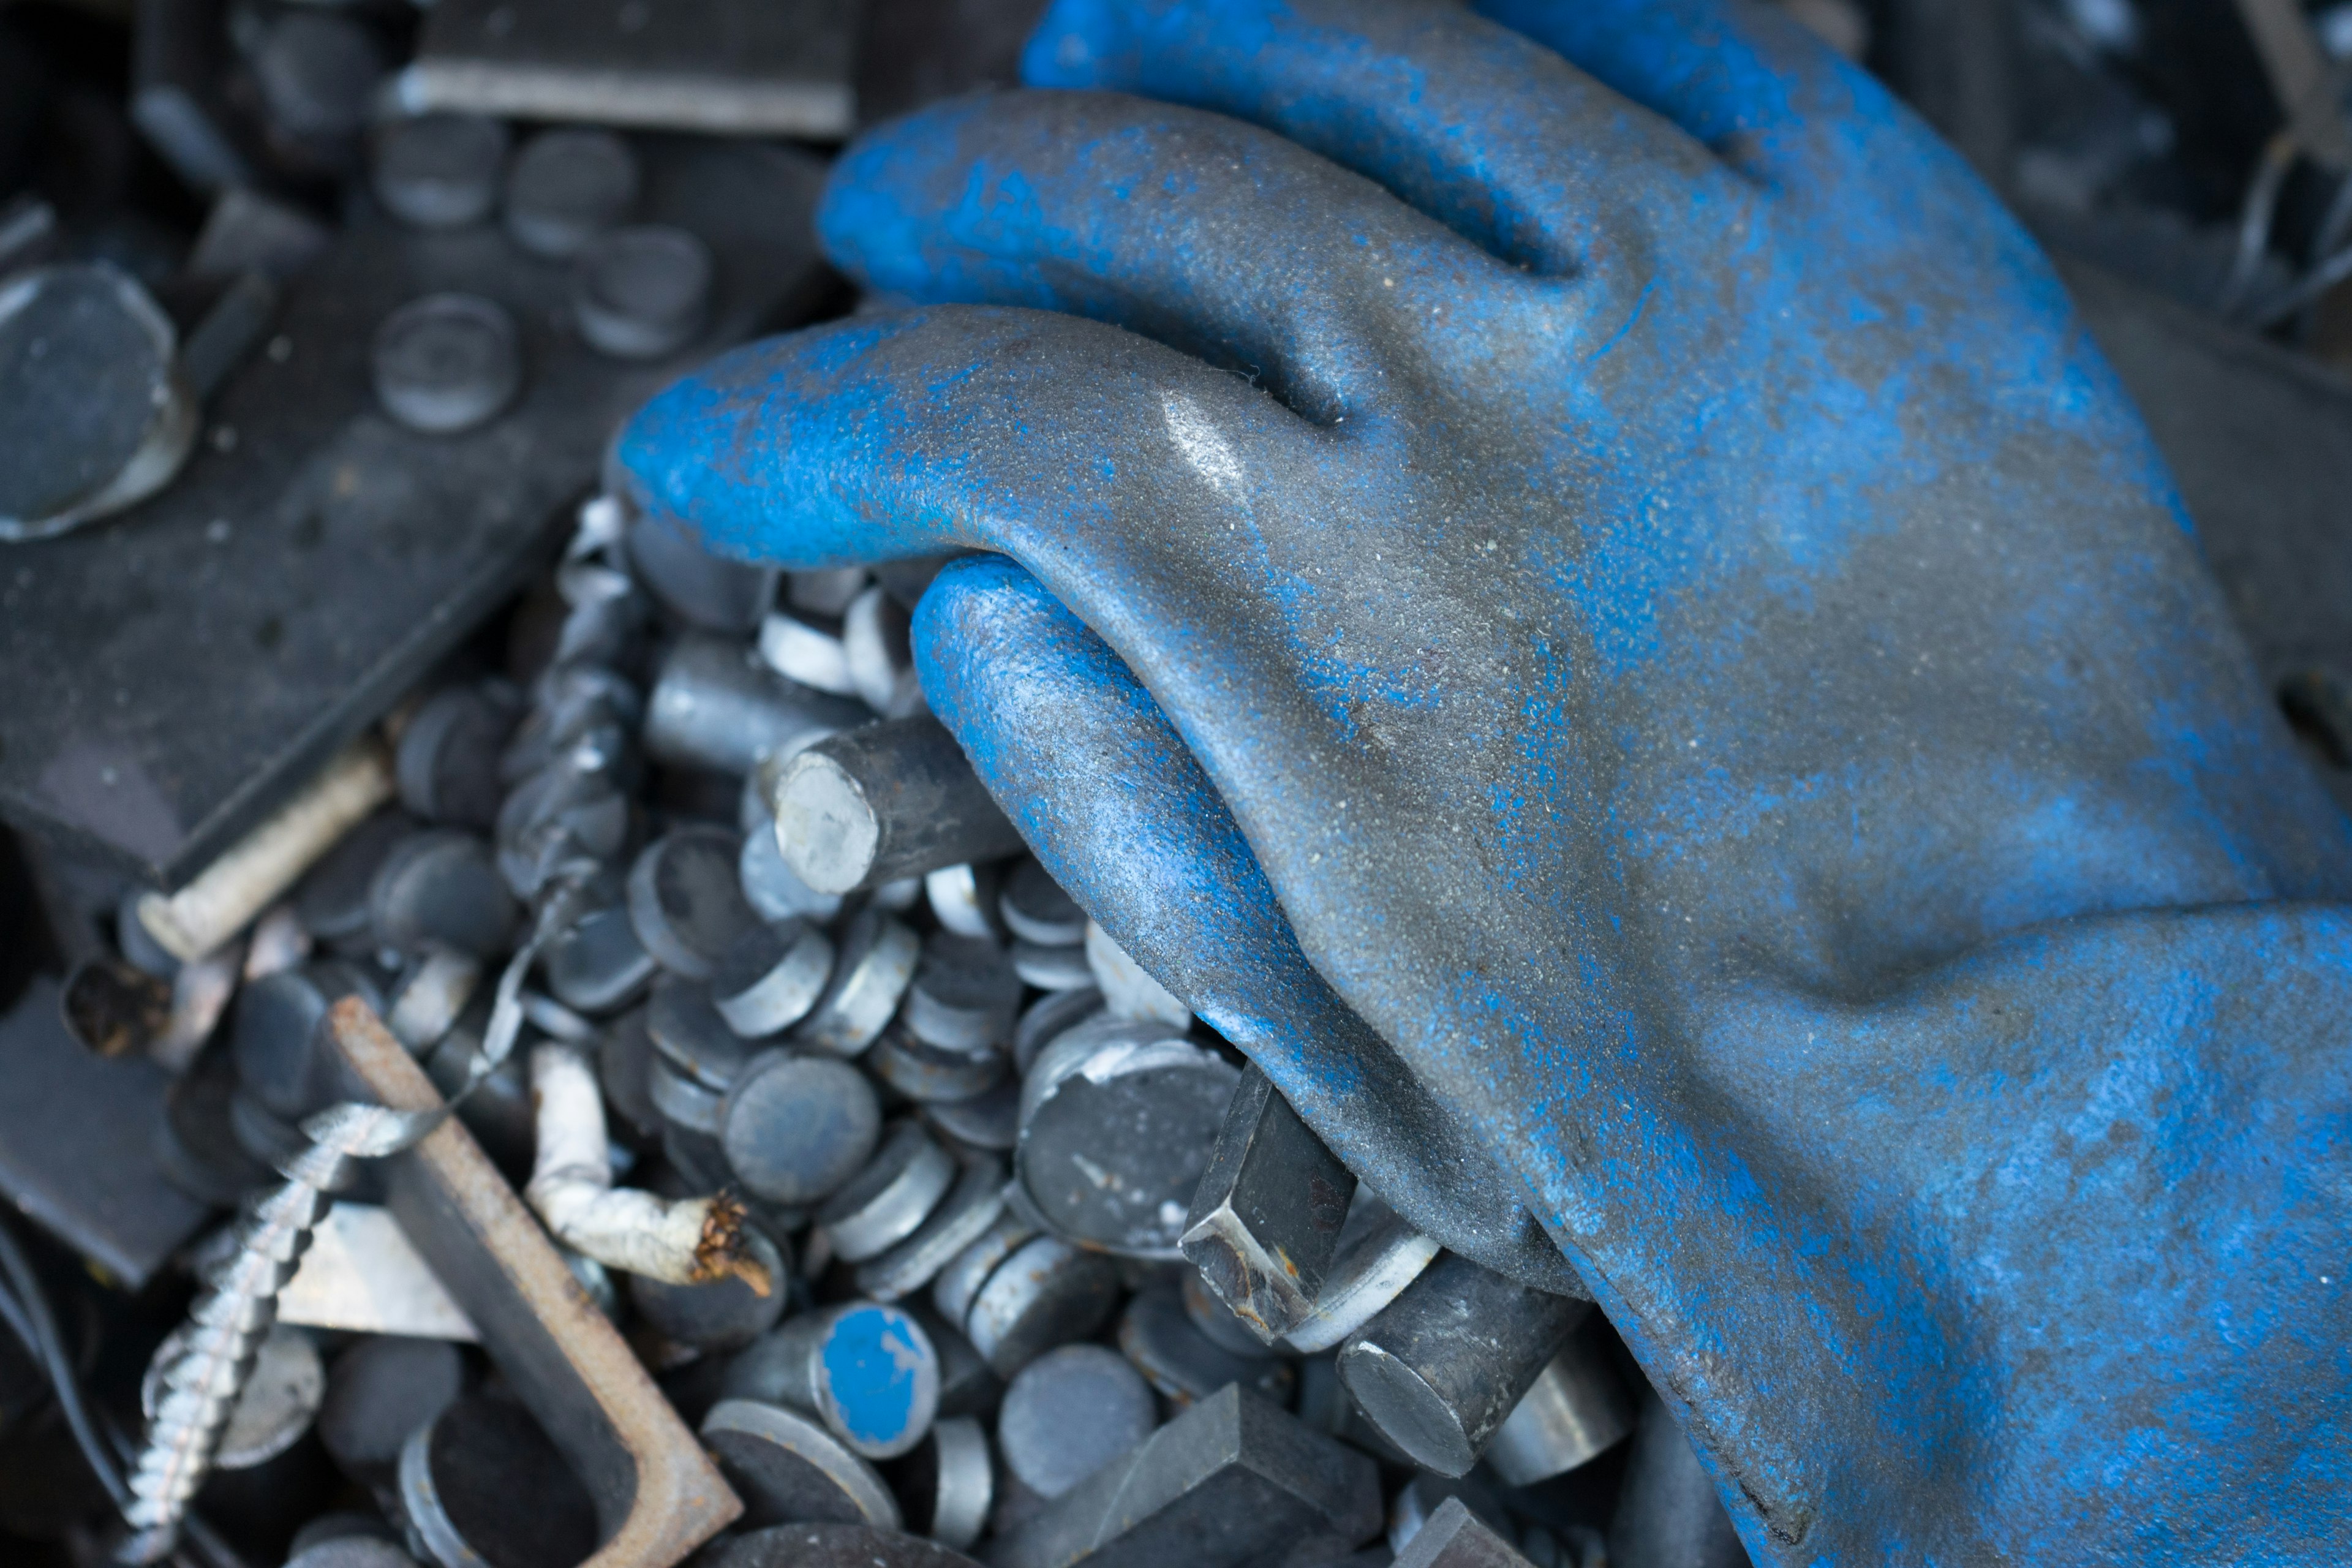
1709 667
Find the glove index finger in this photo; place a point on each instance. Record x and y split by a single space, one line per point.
806 451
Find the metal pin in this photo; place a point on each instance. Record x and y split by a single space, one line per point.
447 363
881 660
867 1371
566 187
685 903
796 1128
875 966
698 588
317 73
773 892
439 171
799 648
887 1201
1068 1414
1577 1408
716 707
1265 1222
883 803
971 1208
1442 1364
825 592
1117 1125
1036 909
956 1286
1047 1294
771 977
787 1465
1054 968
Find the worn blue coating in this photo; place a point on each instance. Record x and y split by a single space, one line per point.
879 1378
1713 675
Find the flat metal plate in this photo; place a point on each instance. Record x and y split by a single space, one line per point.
172 673
779 68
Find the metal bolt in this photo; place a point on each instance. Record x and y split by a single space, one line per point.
566 187
447 363
439 171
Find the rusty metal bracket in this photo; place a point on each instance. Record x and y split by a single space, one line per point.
657 1494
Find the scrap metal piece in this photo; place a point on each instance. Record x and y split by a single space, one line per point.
789 1468
882 803
657 1496
482 1483
796 1127
715 705
837 1546
1379 1254
1158 1335
1232 1480
1454 1537
1669 1513
447 363
1578 1407
379 1392
780 69
868 1371
1266 1220
363 1275
641 292
947 1484
1445 1361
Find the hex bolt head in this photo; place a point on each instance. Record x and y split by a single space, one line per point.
568 187
641 292
796 1127
447 363
1441 1365
1069 1412
438 171
1266 1219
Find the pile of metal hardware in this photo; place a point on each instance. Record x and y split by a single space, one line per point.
522 1043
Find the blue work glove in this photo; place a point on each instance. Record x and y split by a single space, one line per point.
1623 547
